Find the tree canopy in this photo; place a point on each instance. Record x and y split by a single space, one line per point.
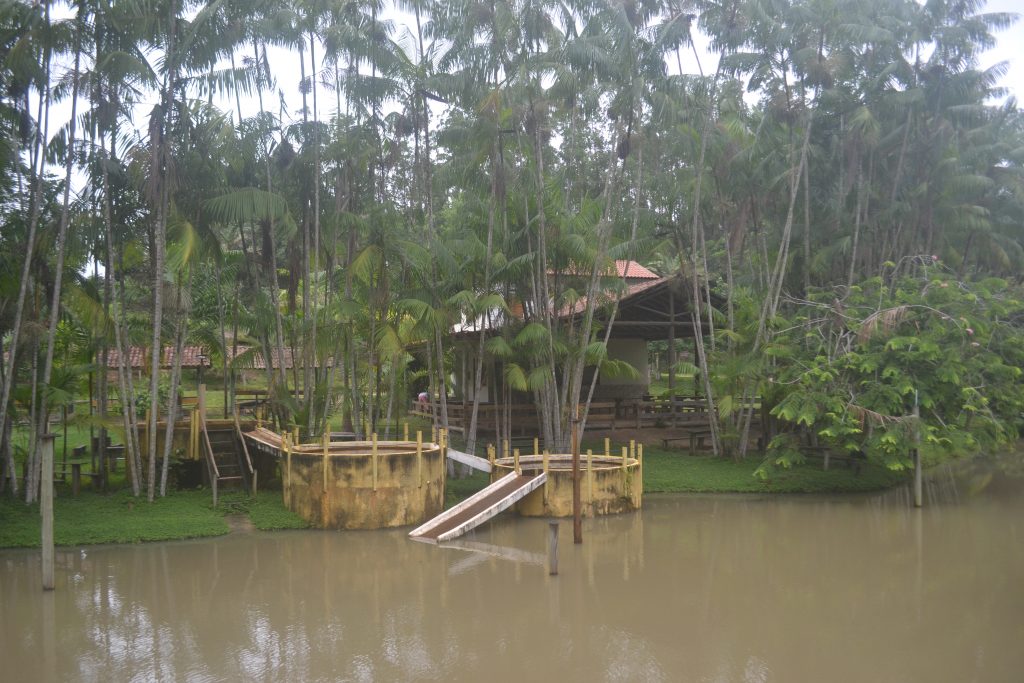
842 194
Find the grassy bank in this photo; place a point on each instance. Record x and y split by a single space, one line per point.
676 471
667 471
120 518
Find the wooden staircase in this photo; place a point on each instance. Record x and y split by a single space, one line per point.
227 458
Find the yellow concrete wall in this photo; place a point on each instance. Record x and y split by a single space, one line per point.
406 493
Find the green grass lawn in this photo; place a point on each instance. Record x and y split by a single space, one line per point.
675 471
120 518
668 471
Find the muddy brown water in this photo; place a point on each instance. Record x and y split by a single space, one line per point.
693 588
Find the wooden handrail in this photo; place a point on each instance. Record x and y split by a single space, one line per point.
211 462
245 450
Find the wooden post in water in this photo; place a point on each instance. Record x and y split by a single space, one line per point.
46 508
577 521
918 485
515 460
552 548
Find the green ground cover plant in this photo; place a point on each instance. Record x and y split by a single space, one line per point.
119 518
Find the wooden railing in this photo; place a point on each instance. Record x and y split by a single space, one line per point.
252 474
603 414
211 461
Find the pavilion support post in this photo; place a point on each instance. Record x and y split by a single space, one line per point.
590 476
672 357
918 479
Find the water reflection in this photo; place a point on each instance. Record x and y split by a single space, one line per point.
702 588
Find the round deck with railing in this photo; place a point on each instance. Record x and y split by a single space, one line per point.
364 484
608 484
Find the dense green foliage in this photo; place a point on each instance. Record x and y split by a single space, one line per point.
489 161
852 371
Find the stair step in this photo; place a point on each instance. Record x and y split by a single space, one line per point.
231 478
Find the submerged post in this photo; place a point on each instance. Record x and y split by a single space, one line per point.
552 548
46 508
577 522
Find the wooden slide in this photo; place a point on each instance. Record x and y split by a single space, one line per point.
480 507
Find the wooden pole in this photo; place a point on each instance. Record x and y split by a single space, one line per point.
547 482
590 476
419 457
374 456
288 469
672 358
405 431
577 513
640 463
536 445
46 508
552 548
326 447
515 460
918 484
607 447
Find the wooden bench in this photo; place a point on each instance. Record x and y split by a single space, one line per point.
853 461
695 435
75 467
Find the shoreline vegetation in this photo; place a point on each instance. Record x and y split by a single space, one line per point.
117 517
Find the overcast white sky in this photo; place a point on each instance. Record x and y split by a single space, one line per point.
1009 49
